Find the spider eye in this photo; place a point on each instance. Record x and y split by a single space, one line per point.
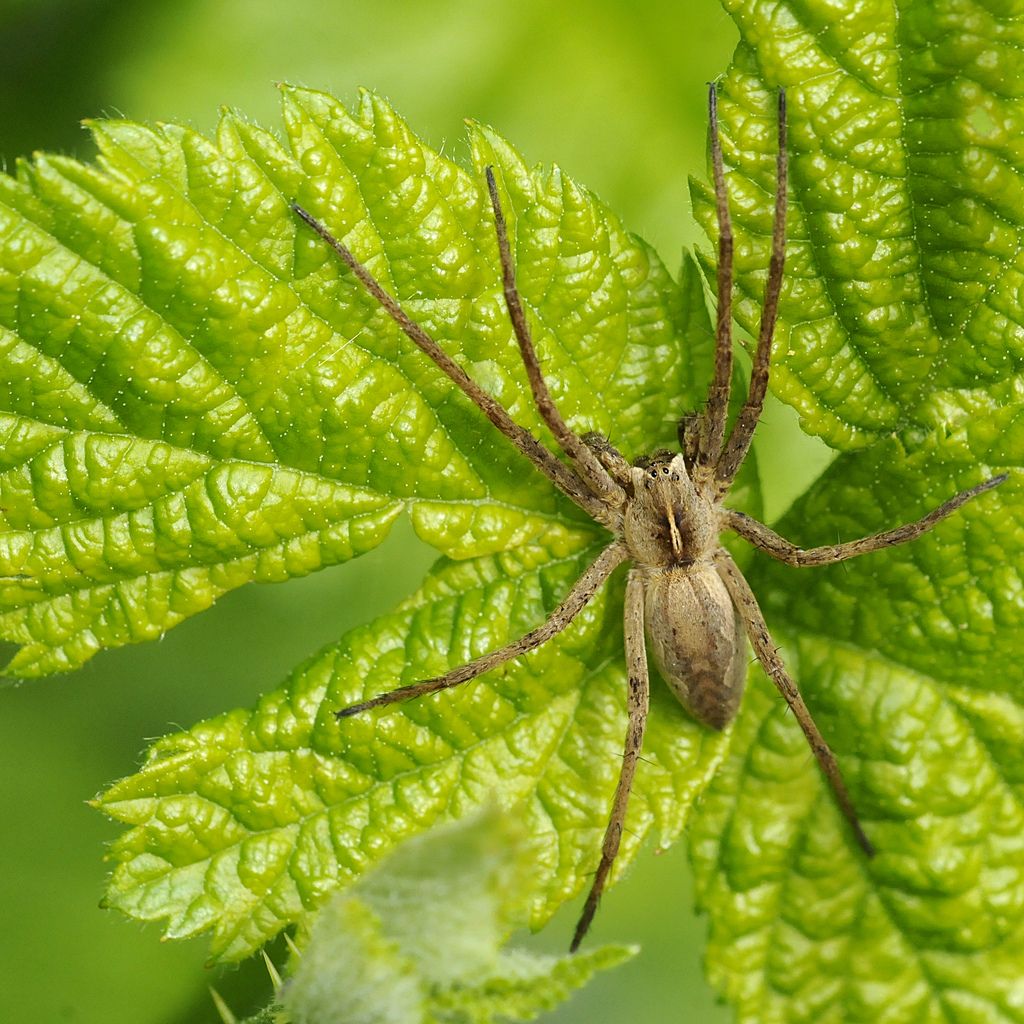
654 474
664 470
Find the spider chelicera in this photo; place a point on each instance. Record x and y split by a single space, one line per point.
665 513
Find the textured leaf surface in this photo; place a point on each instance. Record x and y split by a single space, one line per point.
903 264
246 822
418 940
900 342
195 397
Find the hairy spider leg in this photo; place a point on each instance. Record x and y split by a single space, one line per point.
738 444
587 465
764 647
711 425
743 598
574 602
785 551
637 704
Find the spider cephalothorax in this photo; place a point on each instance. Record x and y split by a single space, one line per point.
684 593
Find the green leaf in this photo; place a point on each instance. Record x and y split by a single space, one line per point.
419 938
899 342
245 823
195 396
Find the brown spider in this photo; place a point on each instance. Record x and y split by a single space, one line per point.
665 513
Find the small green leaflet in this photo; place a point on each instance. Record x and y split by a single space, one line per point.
373 955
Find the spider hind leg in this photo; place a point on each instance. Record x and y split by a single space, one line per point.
638 702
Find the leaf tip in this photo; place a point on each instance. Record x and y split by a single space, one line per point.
222 1008
275 977
289 92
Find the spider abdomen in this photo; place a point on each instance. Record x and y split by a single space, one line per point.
696 640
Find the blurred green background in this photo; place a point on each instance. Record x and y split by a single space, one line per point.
615 94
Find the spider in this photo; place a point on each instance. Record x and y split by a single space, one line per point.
665 513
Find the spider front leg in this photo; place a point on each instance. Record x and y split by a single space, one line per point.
757 630
785 551
711 453
736 448
587 465
638 702
575 601
710 430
